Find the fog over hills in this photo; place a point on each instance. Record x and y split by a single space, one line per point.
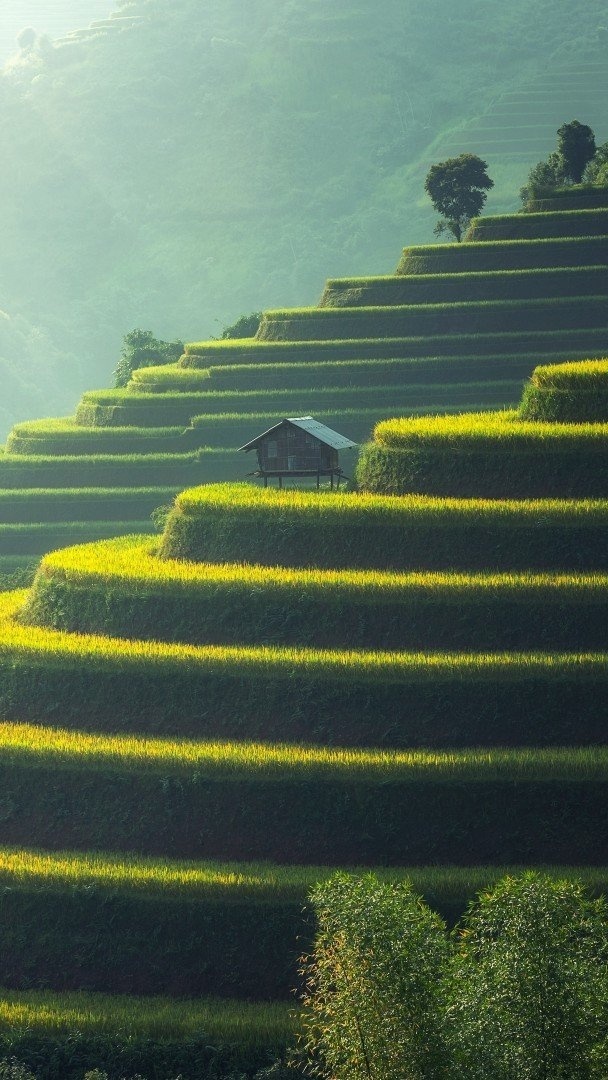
186 162
53 17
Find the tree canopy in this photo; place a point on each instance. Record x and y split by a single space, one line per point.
458 190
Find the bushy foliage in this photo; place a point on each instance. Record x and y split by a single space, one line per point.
244 327
141 349
374 992
575 148
597 169
529 992
575 158
520 990
458 190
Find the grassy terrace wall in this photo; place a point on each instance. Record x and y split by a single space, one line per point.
567 392
502 255
549 225
465 287
499 316
496 455
285 682
209 354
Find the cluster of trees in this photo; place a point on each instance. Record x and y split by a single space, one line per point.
576 159
519 991
140 348
151 170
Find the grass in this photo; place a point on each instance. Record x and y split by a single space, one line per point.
302 804
553 224
68 1034
63 505
567 392
426 371
491 431
445 288
385 667
24 471
234 882
487 316
586 375
118 586
44 437
338 695
221 1020
499 255
229 523
56 748
24 538
131 563
346 508
204 354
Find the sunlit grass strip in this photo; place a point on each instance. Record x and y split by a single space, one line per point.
205 353
475 285
33 747
239 881
131 562
586 375
77 495
41 429
485 431
350 507
169 377
560 223
366 416
220 1021
9 462
567 392
503 255
385 667
396 311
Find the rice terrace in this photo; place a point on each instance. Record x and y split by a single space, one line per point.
230 709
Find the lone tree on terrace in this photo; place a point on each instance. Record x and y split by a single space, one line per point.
458 190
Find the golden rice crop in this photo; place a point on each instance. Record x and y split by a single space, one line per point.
236 880
487 430
33 746
131 562
388 667
585 375
392 509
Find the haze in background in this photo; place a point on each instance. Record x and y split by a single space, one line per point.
53 17
194 160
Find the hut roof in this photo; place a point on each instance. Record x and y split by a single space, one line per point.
307 423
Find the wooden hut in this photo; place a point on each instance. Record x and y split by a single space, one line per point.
299 446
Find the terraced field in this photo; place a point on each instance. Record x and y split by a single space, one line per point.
518 128
458 327
195 729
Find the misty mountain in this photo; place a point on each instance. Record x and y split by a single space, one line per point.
184 162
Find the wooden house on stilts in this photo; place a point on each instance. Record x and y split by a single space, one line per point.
299 446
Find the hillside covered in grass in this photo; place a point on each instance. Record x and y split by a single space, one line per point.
197 727
457 327
183 163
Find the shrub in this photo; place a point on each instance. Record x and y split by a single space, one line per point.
141 348
374 984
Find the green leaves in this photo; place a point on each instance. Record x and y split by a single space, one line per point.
457 189
374 984
518 992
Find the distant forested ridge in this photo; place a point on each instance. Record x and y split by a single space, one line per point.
183 163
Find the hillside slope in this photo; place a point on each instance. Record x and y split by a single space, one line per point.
193 731
205 160
459 326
